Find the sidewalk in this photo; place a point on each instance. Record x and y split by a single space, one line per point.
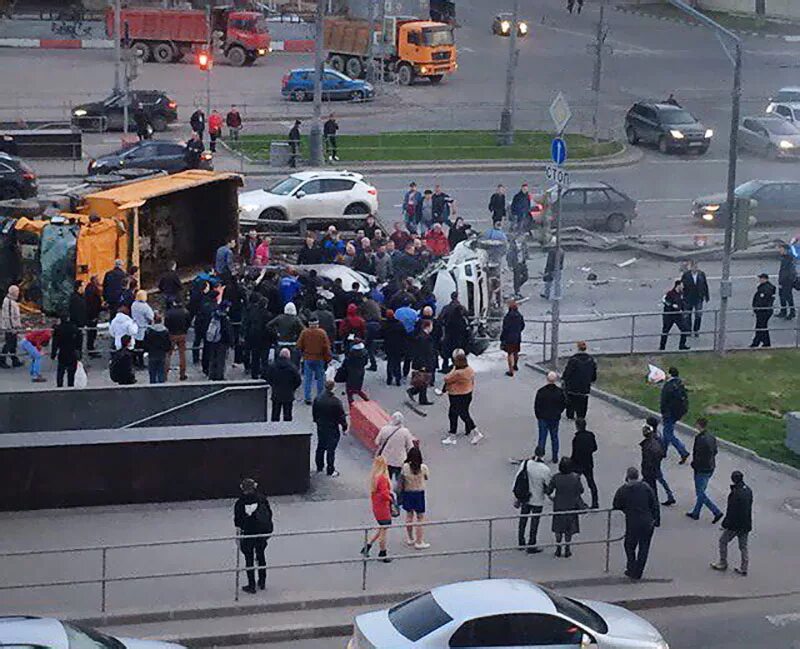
466 481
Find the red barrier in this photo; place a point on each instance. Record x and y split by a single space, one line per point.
60 44
366 419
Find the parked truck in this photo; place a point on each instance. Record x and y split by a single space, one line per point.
167 35
412 47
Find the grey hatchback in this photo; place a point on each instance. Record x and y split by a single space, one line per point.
593 205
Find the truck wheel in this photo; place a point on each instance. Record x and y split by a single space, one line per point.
353 68
163 53
236 56
142 51
249 60
615 223
436 78
337 63
159 123
405 74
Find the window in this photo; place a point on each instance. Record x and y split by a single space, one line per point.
435 37
332 77
516 630
5 169
572 198
285 186
596 197
413 38
85 638
337 185
419 616
648 113
791 193
780 127
783 111
577 611
312 187
169 149
770 194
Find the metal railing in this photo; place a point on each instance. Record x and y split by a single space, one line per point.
489 550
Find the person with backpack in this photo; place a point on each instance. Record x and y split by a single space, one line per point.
674 405
219 336
393 442
120 367
252 517
531 486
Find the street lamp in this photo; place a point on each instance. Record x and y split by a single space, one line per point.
507 116
736 95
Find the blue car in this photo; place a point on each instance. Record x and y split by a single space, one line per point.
298 85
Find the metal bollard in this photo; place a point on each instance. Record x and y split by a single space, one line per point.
103 582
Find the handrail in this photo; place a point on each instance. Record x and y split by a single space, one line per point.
181 406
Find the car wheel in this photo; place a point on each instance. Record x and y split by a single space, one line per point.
630 133
236 56
436 78
159 123
405 75
337 62
298 95
702 150
357 95
142 51
663 145
163 53
356 208
615 223
272 214
354 67
7 192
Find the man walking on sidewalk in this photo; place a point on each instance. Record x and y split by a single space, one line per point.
674 405
787 274
531 485
639 504
578 376
252 516
315 346
547 408
328 413
704 460
653 452
737 523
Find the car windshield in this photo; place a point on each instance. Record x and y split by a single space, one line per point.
85 638
578 612
419 616
780 127
285 186
437 36
676 116
788 95
747 189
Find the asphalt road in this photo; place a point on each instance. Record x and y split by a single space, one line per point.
770 623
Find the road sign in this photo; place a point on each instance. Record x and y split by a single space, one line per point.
558 150
557 175
560 112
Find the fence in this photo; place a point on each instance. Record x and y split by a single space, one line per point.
489 550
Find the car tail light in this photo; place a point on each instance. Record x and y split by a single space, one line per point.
172 105
28 175
372 191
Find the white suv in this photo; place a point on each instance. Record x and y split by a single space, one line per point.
309 193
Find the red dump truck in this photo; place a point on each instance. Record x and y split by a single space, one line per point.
167 35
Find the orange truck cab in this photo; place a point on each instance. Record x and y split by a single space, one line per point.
424 49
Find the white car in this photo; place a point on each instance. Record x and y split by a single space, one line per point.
789 111
503 613
29 631
309 194
787 95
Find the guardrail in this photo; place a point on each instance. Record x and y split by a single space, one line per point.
489 550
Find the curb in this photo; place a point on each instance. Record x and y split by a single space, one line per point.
642 413
294 45
631 9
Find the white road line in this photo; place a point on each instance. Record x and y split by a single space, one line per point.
466 49
664 200
691 160
783 620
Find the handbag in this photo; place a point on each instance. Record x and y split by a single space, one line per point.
341 374
420 379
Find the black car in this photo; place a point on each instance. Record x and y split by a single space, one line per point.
17 179
668 126
773 202
148 154
107 115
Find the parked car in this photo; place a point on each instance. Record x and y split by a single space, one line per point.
148 154
774 202
591 205
770 136
108 114
501 25
39 632
787 95
670 127
17 179
503 613
298 85
309 193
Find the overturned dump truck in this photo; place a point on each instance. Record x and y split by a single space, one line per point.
146 223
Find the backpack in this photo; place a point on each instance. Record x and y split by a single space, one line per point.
114 365
522 487
214 331
263 516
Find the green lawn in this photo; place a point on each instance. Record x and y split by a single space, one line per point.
438 145
743 395
735 21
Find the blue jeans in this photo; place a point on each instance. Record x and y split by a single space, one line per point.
313 371
549 426
157 369
671 438
36 357
663 482
700 485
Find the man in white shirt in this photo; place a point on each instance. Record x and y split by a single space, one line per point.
538 486
122 325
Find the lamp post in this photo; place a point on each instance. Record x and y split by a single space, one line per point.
315 135
507 115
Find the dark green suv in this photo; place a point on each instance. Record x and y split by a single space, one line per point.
668 126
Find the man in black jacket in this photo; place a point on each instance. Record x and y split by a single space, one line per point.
294 143
653 452
197 121
395 342
283 379
158 345
578 376
639 504
120 367
331 420
695 292
787 274
674 405
704 461
554 257
252 516
177 321
112 287
584 446
77 306
170 285
737 524
548 405
674 308
763 299
66 346
498 204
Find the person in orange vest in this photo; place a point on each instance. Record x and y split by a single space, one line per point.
214 129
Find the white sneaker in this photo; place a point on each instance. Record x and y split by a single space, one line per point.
422 546
477 436
409 541
450 440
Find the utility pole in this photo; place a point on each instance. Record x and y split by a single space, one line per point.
126 100
117 44
507 116
599 46
369 73
315 136
726 38
210 64
382 44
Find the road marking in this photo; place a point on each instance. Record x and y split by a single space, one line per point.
466 49
629 47
783 620
692 160
663 200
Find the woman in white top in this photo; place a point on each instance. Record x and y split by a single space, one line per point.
394 441
413 478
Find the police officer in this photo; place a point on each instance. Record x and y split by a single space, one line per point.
194 149
673 314
763 300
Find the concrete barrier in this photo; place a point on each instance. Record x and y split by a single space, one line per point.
366 419
793 431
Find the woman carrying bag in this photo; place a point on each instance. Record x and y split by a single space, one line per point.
393 442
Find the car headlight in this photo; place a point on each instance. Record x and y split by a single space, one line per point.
248 207
676 134
770 108
523 28
709 133
262 52
423 70
711 208
708 216
505 26
785 144
79 113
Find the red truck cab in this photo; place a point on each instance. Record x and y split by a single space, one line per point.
245 29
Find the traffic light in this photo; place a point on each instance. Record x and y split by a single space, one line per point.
204 60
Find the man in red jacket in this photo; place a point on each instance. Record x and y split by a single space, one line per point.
32 344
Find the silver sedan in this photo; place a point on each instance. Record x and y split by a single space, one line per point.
770 136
